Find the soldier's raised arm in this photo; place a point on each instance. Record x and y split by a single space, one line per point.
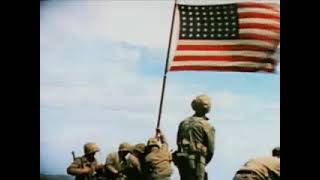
163 139
76 168
134 162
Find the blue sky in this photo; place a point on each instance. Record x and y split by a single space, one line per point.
101 74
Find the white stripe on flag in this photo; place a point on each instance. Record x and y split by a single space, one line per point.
258 10
259 21
222 64
260 32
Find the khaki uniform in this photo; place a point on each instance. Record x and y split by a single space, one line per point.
140 162
158 162
195 140
263 168
134 171
78 164
126 166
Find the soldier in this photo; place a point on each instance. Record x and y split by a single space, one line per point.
118 163
139 151
85 167
137 169
262 168
158 159
195 141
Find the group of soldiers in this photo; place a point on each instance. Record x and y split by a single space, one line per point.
153 160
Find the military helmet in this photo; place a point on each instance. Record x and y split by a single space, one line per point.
201 103
153 142
91 148
140 147
276 151
124 147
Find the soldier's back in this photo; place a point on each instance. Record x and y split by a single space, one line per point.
114 160
159 163
194 129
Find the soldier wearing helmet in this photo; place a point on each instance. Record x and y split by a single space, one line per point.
118 163
158 160
195 141
85 167
263 168
139 151
136 160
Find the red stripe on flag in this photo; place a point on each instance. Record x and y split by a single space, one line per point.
226 58
259 15
223 47
215 68
274 7
275 28
258 37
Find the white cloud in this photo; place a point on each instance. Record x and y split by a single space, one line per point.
124 21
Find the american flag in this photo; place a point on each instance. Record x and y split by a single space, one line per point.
227 37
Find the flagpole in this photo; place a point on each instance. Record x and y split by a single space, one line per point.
166 66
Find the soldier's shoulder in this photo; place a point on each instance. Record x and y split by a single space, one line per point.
268 159
186 120
265 161
207 126
112 155
189 118
206 123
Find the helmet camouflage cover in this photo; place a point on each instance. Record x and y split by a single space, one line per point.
201 103
140 147
91 148
124 147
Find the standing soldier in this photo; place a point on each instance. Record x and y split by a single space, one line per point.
118 163
195 141
158 159
85 167
262 168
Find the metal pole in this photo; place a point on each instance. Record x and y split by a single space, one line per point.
166 66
